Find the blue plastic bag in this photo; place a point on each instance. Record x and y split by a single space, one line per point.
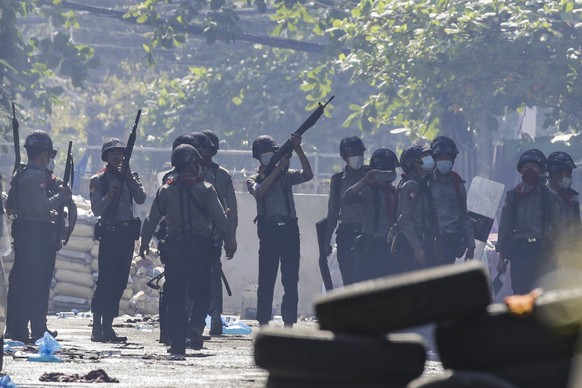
47 346
6 382
236 328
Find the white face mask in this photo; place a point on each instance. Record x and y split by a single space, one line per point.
356 162
51 165
266 158
427 163
565 183
444 166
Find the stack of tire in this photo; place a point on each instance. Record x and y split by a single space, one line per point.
357 344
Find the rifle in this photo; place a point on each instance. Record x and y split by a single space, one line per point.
321 227
64 232
126 157
16 137
287 147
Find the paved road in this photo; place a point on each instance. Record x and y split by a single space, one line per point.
225 361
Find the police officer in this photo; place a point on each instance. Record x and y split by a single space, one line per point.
416 224
565 225
349 214
112 196
220 178
190 205
524 225
377 197
277 227
449 194
34 234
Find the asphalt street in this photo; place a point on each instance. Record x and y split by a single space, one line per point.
225 361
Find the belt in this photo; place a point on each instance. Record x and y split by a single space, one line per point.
529 239
280 220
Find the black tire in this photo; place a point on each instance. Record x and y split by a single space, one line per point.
1 353
541 374
461 379
294 382
310 355
497 338
402 301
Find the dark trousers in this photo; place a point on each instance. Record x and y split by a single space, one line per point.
30 278
215 302
216 281
345 235
187 268
373 259
405 256
449 247
529 261
115 255
278 244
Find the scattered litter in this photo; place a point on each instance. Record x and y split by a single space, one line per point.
143 327
176 357
108 353
95 376
6 382
65 314
47 346
237 328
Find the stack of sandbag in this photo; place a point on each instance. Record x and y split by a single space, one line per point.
144 299
358 344
74 282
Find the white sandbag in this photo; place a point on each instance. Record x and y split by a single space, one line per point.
76 255
69 289
9 257
75 277
63 262
124 306
95 265
5 247
83 244
83 204
64 299
128 293
82 230
8 267
95 251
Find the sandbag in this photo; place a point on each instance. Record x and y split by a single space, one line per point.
81 278
82 244
124 306
82 230
95 251
323 356
63 262
498 338
63 299
412 299
69 289
128 293
95 265
76 255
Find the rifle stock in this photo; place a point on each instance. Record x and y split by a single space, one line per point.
126 157
64 232
16 137
287 147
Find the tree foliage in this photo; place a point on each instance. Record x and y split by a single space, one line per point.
436 63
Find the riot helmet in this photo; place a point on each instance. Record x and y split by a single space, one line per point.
111 144
184 139
442 145
213 139
384 159
39 141
410 155
263 143
351 144
532 155
560 161
184 154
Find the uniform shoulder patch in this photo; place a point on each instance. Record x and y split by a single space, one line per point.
412 195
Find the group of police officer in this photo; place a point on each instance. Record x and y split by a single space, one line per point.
383 229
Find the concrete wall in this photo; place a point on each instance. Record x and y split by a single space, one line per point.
242 270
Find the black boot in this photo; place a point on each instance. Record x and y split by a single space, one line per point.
108 331
195 340
97 331
216 324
